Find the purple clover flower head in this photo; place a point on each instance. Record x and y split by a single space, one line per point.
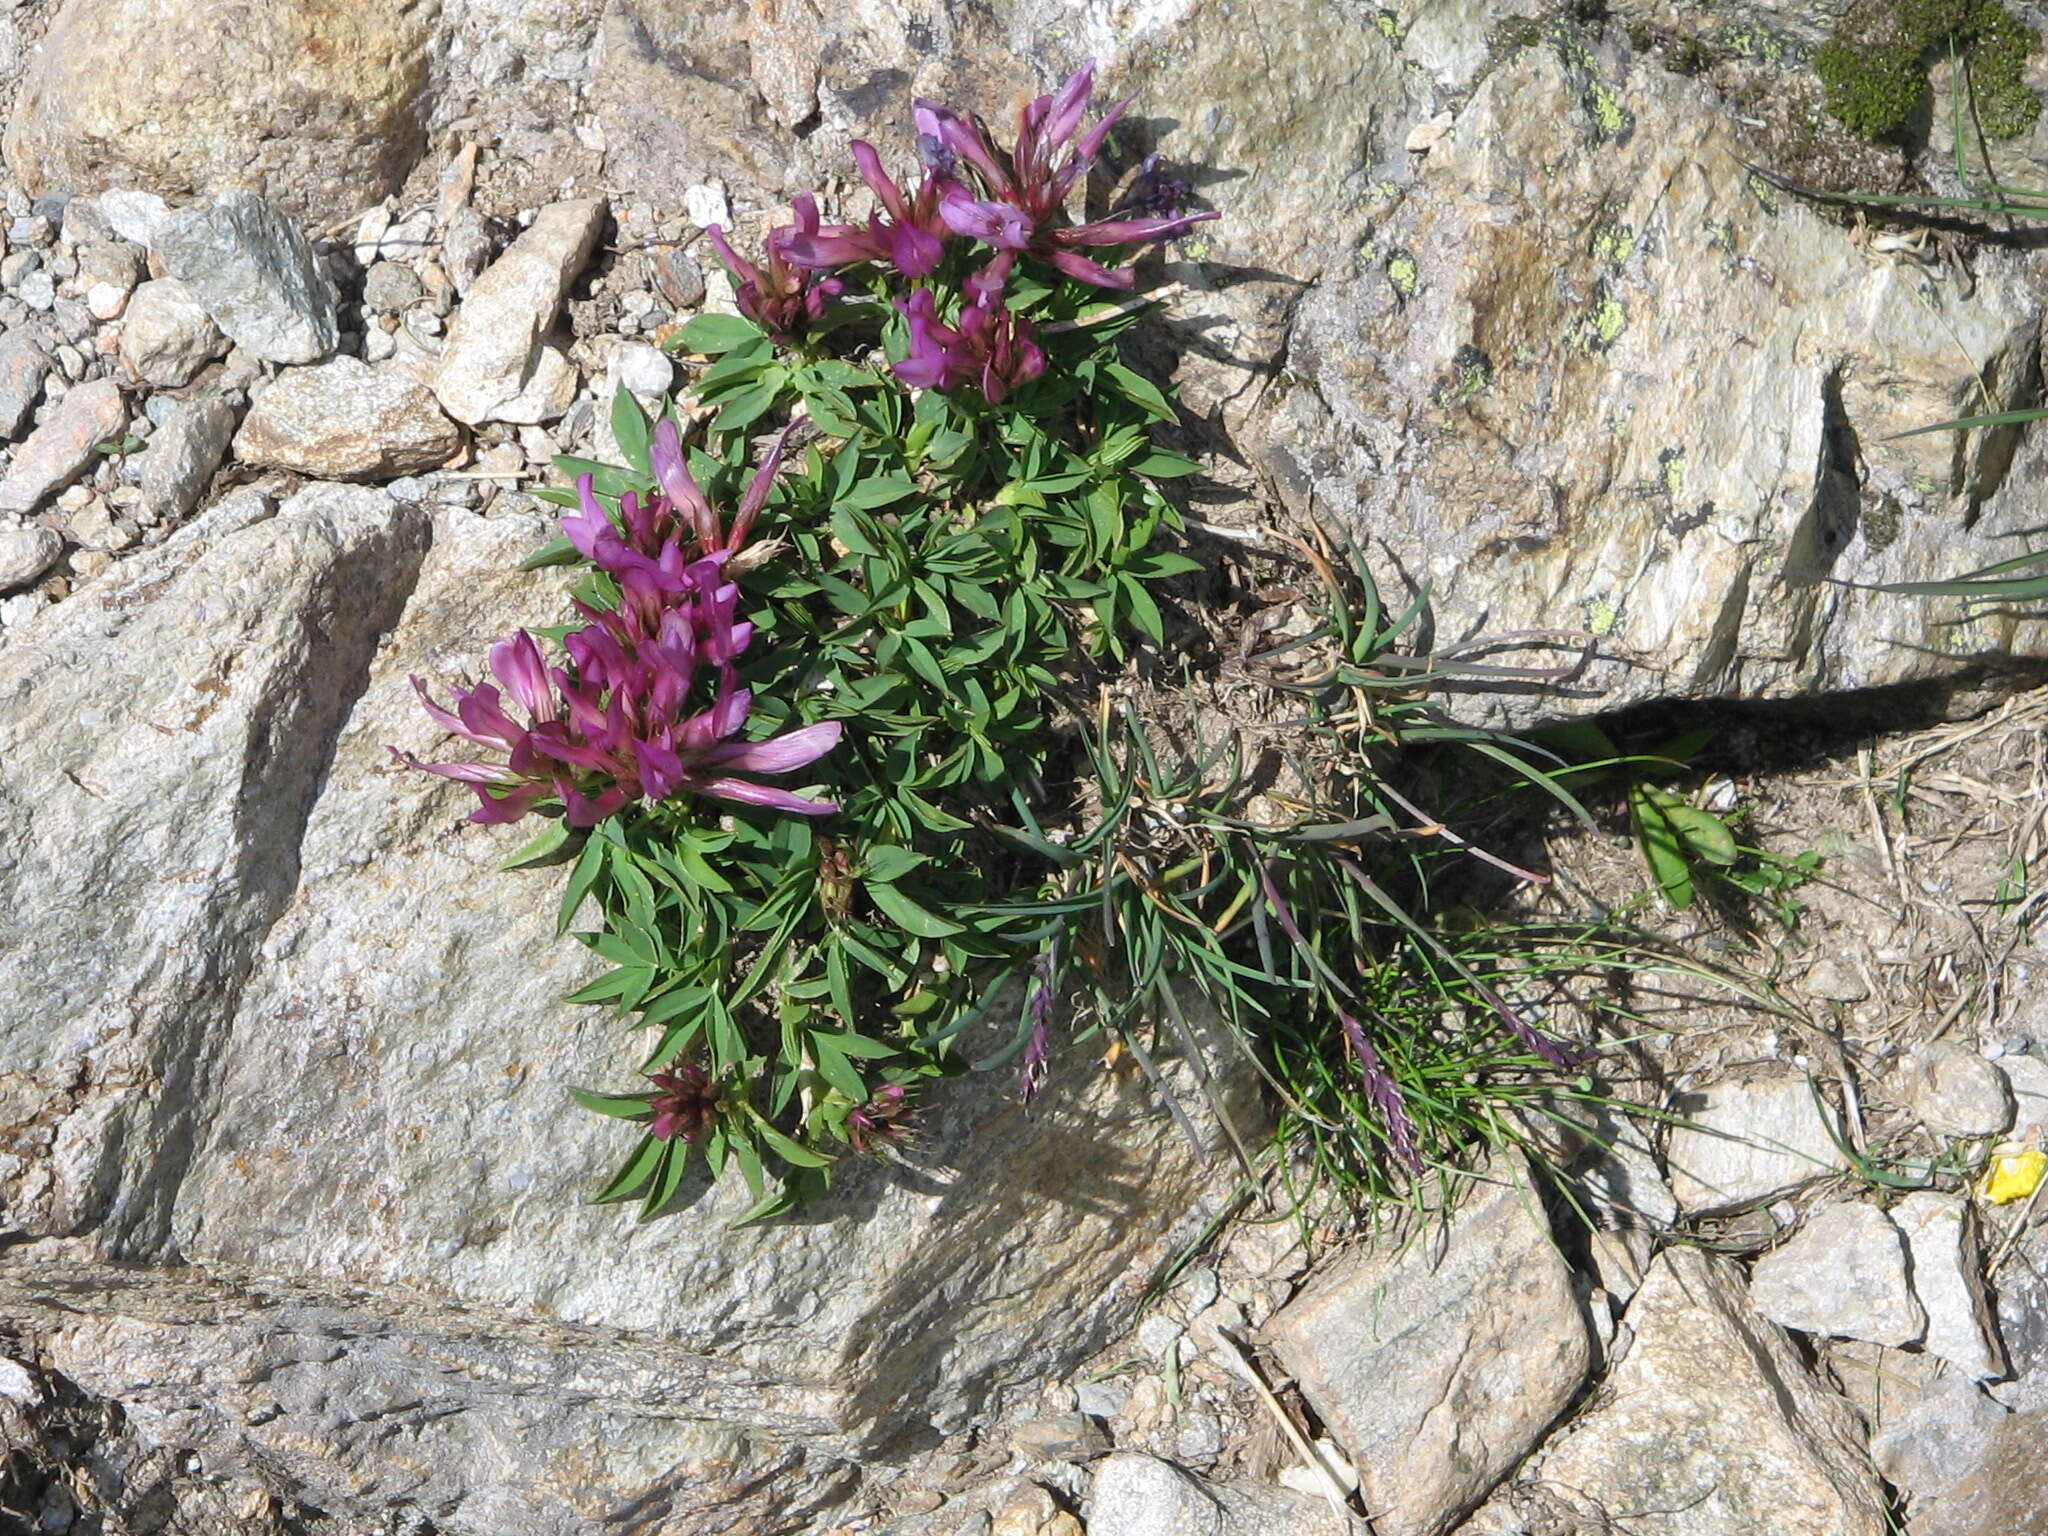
1025 189
621 724
1155 194
685 1103
908 234
990 348
782 298
1383 1095
885 1120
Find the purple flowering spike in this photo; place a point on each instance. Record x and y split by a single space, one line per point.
757 492
882 1121
517 661
585 526
1383 1094
782 298
779 754
1025 191
990 347
616 726
746 792
1038 1049
672 474
1155 194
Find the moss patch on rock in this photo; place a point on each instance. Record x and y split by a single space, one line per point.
1875 64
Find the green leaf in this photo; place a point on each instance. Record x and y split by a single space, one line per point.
833 1066
888 863
620 1106
555 551
789 1151
629 428
1161 465
858 1045
907 914
878 491
750 405
668 1178
581 878
1966 423
749 1158
607 988
550 847
1143 392
1659 841
1706 834
1144 611
634 1172
713 334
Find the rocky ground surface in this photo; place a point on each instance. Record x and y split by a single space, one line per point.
283 353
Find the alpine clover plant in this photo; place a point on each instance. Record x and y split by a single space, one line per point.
833 770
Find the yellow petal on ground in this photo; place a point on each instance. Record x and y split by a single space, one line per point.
2012 1174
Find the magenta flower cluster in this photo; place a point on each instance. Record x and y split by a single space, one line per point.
629 719
1012 202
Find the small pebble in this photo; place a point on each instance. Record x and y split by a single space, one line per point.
106 301
390 286
1157 1334
643 369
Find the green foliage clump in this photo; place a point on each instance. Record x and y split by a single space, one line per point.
1875 65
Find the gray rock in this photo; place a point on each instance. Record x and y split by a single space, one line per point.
495 366
115 263
167 336
388 286
38 290
466 248
84 221
25 553
1842 1274
1073 1437
95 527
1965 1462
1954 1091
679 278
254 273
17 610
322 105
1744 1142
134 216
1141 1496
1949 1280
1440 1365
278 886
1620 1260
1101 1399
64 445
1935 1432
23 367
344 420
1711 1425
176 467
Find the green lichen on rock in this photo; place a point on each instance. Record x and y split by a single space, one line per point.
1613 244
1604 323
1471 375
1403 275
1875 65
